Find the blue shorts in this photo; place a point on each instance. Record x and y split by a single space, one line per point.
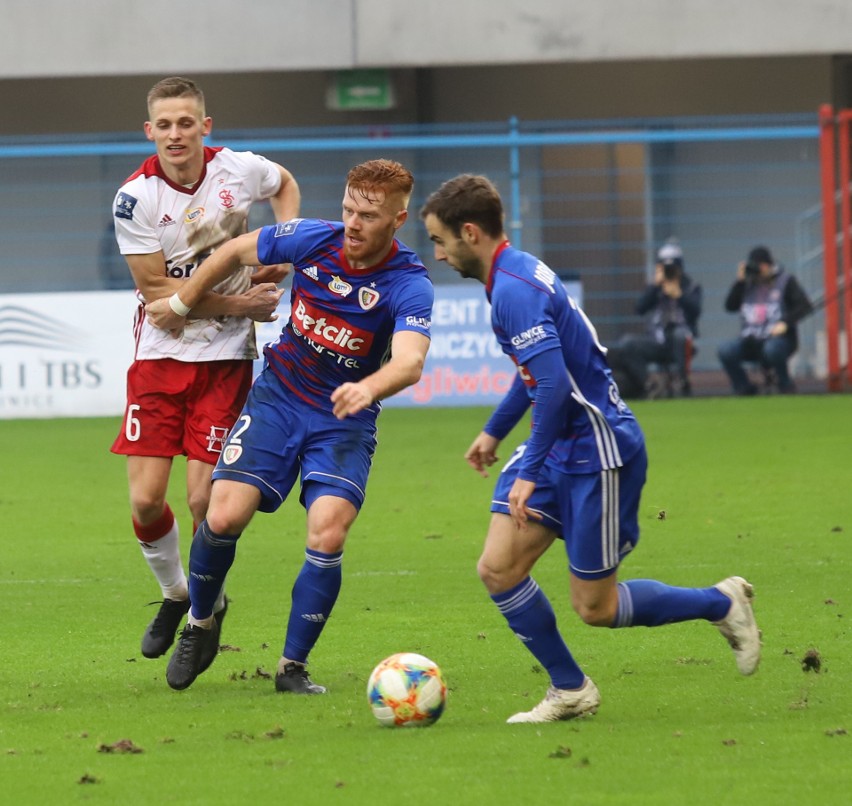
278 438
596 514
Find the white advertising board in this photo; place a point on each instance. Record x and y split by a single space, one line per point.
66 355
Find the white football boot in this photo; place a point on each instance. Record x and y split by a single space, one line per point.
560 703
739 627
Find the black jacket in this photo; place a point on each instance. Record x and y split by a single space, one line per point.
795 304
668 311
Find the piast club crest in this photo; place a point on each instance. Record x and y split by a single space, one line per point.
367 297
232 453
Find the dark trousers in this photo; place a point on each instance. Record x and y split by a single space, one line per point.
636 352
772 353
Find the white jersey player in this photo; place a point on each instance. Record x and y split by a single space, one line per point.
185 224
183 394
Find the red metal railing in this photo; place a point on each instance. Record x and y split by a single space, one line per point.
835 142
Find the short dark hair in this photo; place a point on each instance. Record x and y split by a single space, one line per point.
176 87
467 199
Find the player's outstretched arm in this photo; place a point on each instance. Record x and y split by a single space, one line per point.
270 274
258 303
408 355
169 313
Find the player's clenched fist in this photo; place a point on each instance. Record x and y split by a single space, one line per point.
161 315
262 302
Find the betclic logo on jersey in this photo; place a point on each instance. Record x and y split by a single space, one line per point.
329 331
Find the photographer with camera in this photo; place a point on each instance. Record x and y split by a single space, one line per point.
672 304
770 302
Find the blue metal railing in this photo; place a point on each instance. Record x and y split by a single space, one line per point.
593 198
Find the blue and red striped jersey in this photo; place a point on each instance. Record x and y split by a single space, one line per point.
341 319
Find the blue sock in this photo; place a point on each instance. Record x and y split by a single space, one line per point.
314 594
648 603
532 619
210 559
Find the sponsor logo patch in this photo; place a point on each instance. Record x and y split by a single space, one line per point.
124 204
194 215
422 322
338 286
330 331
287 227
526 338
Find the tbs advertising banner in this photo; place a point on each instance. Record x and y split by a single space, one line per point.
66 354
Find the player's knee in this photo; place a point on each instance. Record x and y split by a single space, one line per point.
326 544
223 521
485 573
329 539
496 580
595 613
147 508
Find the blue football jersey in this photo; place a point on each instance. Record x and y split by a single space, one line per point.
341 319
531 312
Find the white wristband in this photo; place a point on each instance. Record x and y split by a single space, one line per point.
177 306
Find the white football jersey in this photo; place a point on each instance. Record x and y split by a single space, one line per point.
187 224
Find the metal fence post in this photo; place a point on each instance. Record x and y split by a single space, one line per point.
515 223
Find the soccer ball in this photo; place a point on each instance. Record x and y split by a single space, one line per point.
407 690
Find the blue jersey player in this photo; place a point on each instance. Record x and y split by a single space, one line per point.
358 332
580 474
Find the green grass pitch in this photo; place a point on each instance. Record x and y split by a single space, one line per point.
757 487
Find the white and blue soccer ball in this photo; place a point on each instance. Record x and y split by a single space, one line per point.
407 690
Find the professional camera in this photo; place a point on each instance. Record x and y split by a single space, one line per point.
671 270
752 270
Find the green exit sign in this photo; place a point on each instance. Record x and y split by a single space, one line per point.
362 89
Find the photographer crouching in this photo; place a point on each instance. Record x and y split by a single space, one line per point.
770 302
672 305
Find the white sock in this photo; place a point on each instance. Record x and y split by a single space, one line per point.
163 558
206 623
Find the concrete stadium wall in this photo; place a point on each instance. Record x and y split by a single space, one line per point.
86 67
446 94
101 37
